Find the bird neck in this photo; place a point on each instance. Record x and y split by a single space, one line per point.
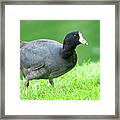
67 52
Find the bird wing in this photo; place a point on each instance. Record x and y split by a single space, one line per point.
33 57
34 68
37 54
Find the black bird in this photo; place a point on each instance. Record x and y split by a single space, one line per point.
48 59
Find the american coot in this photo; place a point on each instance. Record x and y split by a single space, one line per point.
48 59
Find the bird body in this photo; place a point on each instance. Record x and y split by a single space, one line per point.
44 60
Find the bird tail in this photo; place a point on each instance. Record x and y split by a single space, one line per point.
22 43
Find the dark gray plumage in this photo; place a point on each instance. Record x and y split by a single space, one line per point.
48 59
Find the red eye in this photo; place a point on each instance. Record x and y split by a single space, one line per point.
75 35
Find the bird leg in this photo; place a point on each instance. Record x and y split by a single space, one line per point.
26 84
51 82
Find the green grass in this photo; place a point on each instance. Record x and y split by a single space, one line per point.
81 83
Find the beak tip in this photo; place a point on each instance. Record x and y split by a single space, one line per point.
86 43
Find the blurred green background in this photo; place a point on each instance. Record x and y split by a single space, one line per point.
57 29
